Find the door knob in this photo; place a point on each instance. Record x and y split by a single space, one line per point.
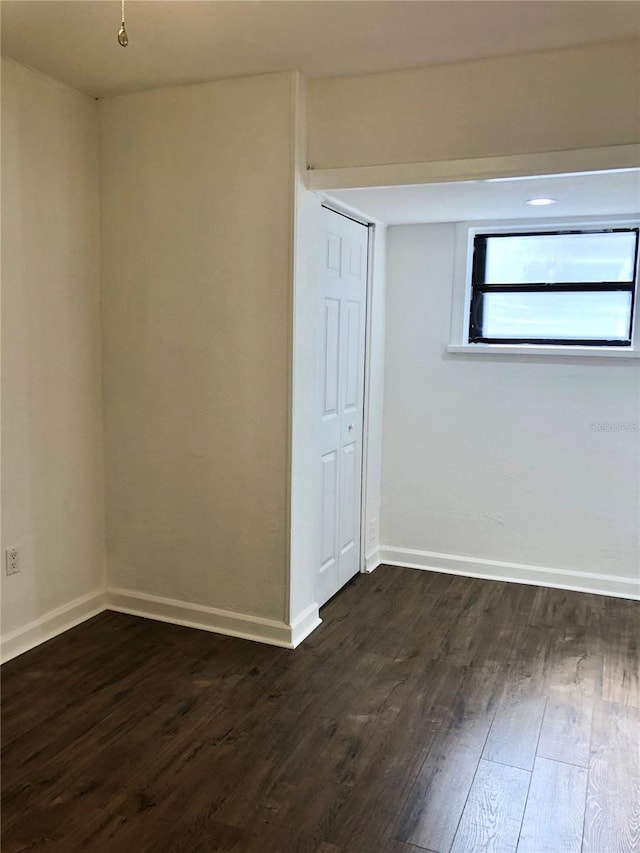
350 427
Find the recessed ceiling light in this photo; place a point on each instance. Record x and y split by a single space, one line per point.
540 202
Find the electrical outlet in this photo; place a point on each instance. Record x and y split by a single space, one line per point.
12 562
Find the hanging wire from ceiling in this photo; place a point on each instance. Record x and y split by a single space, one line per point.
123 38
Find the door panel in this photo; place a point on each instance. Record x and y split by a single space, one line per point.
348 492
334 253
343 284
329 515
353 393
331 351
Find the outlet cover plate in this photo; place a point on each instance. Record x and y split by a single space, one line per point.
12 562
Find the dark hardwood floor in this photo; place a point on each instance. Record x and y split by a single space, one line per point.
428 712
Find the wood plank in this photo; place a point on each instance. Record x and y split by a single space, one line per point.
492 816
436 802
621 664
612 819
366 821
514 734
554 814
185 837
556 608
479 604
572 677
566 728
420 624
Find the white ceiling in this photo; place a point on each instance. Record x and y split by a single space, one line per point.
596 194
175 42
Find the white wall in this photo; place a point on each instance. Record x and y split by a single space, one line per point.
52 474
583 97
197 212
496 458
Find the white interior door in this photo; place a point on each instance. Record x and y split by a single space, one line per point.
343 285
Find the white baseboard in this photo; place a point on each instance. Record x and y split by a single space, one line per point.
205 618
161 609
304 624
372 561
620 587
51 624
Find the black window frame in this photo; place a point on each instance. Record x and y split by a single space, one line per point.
479 288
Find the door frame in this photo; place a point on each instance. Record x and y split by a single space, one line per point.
361 219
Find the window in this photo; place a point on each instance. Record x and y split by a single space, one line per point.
567 288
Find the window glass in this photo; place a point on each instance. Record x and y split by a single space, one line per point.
544 314
560 258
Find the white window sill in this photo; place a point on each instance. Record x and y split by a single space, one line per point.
543 349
